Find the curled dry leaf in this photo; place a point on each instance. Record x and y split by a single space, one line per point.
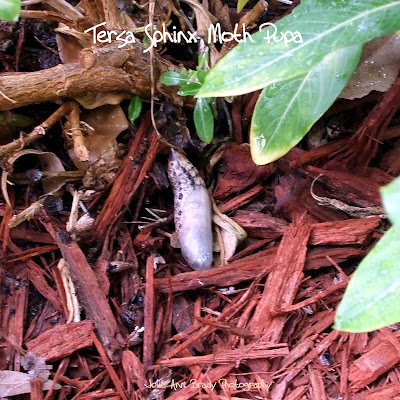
105 123
68 46
82 39
49 162
231 232
377 70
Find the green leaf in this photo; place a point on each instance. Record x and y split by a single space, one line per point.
240 5
192 74
10 9
324 26
190 89
201 76
372 298
285 111
204 120
203 57
391 200
173 78
134 109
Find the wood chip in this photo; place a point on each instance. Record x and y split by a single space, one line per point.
62 340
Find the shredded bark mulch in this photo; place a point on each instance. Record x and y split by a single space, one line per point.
256 327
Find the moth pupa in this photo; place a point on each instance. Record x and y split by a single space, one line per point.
192 212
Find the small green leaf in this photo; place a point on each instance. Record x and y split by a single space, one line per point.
204 120
391 200
285 111
190 89
240 5
373 294
201 75
192 74
298 42
173 78
135 108
10 9
202 60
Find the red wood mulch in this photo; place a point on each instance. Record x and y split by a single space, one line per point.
257 327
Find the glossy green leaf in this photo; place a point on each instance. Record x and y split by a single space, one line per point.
240 5
190 89
285 111
204 120
372 298
10 9
135 108
323 26
173 78
391 200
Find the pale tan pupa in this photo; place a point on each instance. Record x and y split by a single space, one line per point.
192 212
